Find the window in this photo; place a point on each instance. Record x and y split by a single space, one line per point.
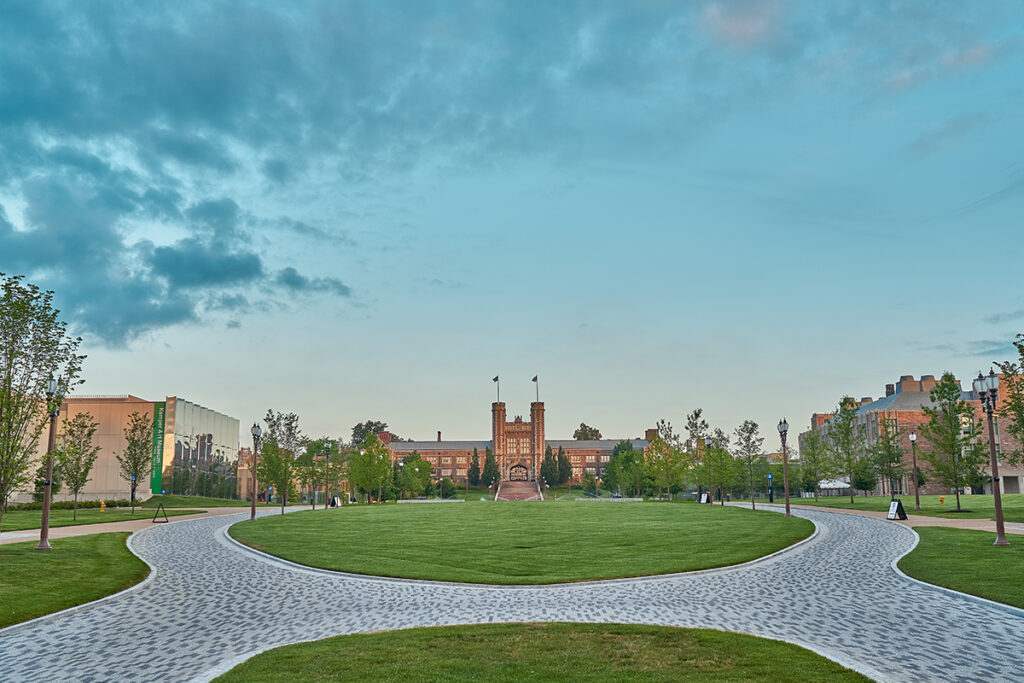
605 458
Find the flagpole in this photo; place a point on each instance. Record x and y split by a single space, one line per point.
538 390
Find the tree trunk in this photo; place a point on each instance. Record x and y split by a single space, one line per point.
957 489
74 515
751 481
284 499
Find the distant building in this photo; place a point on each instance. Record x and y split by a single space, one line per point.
193 448
902 408
518 447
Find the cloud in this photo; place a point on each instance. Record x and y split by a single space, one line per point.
939 137
296 282
994 349
743 24
1007 316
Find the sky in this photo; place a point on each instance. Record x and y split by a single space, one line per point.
367 210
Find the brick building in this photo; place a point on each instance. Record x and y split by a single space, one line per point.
518 447
902 408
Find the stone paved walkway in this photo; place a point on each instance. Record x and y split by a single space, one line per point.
212 604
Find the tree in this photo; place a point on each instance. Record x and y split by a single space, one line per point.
697 432
137 456
310 466
275 468
815 463
748 448
491 474
33 347
719 466
414 474
887 456
590 483
549 468
1011 389
864 477
952 450
586 433
618 473
370 428
843 442
370 467
564 466
474 470
39 483
76 453
664 463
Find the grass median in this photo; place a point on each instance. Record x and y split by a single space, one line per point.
966 561
974 506
15 520
548 652
522 543
76 571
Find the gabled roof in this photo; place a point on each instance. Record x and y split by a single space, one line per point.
410 446
599 444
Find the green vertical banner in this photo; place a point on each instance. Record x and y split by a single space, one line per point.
156 474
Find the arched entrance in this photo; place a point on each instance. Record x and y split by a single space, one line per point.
518 473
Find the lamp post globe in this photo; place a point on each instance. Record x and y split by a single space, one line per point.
256 434
783 430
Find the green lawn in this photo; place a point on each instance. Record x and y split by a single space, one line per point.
77 570
547 652
981 506
522 543
33 519
967 561
170 501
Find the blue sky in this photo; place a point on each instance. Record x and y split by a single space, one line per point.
367 210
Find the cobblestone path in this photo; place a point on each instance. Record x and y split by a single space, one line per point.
212 604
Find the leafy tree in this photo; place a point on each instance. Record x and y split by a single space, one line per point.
564 466
615 476
843 440
33 347
415 474
76 454
310 464
590 482
749 450
697 432
586 433
665 465
474 470
887 456
954 454
491 474
137 456
865 476
370 428
815 463
370 468
719 466
549 468
1011 392
39 483
275 468
666 433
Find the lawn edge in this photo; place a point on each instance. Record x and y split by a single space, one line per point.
222 535
1016 611
92 603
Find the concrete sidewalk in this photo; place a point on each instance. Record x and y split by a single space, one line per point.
145 519
913 520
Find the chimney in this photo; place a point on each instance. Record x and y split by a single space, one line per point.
385 437
865 399
650 434
439 436
890 389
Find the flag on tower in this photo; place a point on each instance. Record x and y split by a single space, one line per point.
534 378
495 379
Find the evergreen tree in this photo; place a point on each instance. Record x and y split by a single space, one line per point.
549 468
564 466
491 474
474 469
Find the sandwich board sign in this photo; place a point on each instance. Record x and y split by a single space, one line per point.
896 510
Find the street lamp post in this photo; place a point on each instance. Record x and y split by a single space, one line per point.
53 400
783 429
987 389
913 453
256 432
327 472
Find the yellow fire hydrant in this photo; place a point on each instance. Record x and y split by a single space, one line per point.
942 500
103 505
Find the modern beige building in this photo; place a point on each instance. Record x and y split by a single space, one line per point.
194 448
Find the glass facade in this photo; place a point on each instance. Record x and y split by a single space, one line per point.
200 447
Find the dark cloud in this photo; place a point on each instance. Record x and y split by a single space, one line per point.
296 282
993 349
192 264
1006 316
